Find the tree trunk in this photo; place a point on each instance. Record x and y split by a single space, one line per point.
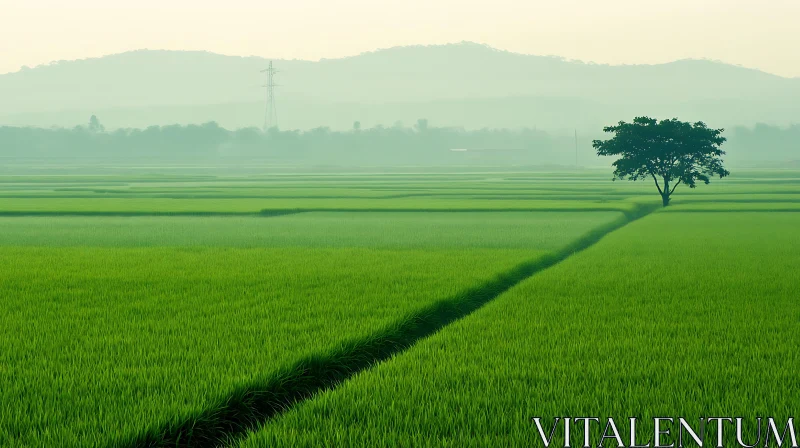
665 193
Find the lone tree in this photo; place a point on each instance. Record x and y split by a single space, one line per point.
671 150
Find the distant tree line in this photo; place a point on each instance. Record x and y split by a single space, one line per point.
764 143
420 144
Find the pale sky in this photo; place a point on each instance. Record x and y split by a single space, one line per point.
761 34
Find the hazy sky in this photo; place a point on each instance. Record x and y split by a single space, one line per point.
760 34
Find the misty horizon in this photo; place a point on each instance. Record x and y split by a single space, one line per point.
562 58
745 33
458 85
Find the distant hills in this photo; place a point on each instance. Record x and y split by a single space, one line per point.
463 84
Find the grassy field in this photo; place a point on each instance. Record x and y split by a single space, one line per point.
116 324
675 315
98 343
120 326
433 230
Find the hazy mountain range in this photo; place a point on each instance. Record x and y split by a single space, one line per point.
466 84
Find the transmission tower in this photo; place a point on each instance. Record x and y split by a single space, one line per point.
271 112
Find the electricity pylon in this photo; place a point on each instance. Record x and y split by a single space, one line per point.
271 112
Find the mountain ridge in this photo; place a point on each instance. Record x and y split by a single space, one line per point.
394 48
412 75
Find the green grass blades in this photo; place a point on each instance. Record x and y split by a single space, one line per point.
118 325
98 205
96 343
511 230
678 315
111 327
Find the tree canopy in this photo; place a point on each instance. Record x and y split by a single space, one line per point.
673 151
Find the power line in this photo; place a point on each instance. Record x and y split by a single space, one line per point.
271 111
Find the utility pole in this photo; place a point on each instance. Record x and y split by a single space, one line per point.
271 112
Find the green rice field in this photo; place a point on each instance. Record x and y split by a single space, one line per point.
688 324
417 309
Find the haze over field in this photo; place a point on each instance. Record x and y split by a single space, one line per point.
466 84
421 77
754 34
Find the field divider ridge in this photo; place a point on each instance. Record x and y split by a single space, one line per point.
291 211
252 405
460 210
732 210
98 213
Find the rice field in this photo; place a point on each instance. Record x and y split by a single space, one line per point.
675 315
386 230
97 343
425 309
